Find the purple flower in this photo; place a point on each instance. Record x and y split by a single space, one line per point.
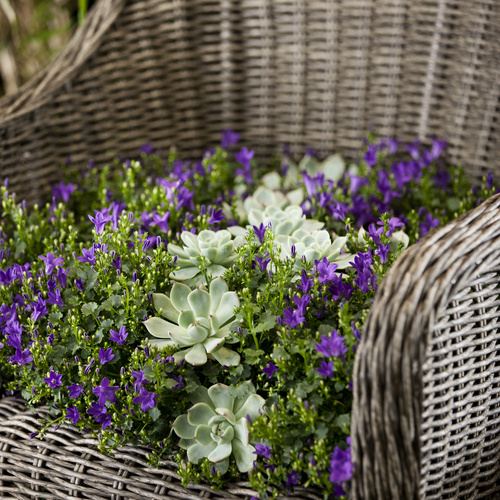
50 339
21 357
333 346
100 220
120 336
413 149
292 317
438 147
185 198
370 157
326 369
146 399
55 298
104 392
104 420
428 223
326 270
79 284
105 355
161 221
73 414
244 157
62 276
51 262
270 369
357 182
392 224
263 450
260 232
216 216
146 149
179 385
140 379
39 309
292 478
306 283
117 262
74 390
375 233
96 410
383 252
489 180
340 464
229 138
88 256
63 191
263 261
54 379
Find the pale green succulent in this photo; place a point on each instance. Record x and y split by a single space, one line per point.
281 221
217 248
313 246
199 322
216 427
264 196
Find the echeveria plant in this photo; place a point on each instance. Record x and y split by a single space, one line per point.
216 427
313 246
213 251
199 322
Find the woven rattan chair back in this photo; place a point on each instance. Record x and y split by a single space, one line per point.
426 416
310 73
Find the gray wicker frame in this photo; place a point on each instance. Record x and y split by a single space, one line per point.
311 73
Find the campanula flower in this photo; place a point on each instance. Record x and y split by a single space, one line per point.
51 262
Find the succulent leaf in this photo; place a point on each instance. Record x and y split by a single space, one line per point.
219 394
226 357
183 428
162 302
200 414
251 407
199 303
227 304
243 454
178 296
196 355
198 451
202 434
222 451
161 328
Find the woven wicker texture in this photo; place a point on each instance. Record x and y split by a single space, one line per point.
426 416
311 73
308 73
67 464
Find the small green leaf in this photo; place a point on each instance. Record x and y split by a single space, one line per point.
154 413
89 308
252 356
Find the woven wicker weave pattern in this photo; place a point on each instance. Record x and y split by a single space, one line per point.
427 375
312 74
308 73
67 464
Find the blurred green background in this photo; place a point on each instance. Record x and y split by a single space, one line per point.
32 33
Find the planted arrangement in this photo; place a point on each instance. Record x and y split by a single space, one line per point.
212 310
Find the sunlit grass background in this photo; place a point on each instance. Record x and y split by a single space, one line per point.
32 33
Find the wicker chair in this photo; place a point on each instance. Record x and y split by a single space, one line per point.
310 73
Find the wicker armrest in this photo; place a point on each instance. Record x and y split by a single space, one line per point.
426 414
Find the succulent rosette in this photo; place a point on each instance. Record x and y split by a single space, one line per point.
216 427
282 221
199 322
313 246
264 196
217 248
